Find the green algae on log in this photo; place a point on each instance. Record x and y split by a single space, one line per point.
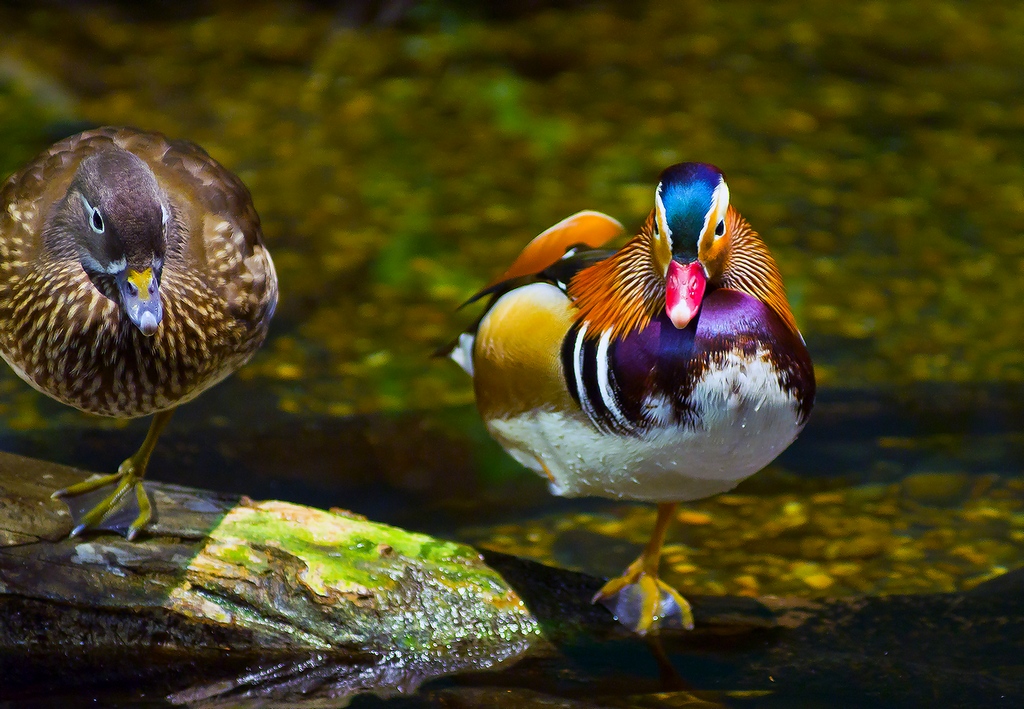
222 580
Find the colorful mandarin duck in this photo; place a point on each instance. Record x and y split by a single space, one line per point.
133 276
666 371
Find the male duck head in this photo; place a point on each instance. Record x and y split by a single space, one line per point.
116 215
690 205
692 240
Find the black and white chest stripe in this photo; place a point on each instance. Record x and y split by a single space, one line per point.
589 368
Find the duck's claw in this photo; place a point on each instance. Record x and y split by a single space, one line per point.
126 509
643 602
116 503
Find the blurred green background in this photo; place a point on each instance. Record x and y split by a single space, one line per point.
401 153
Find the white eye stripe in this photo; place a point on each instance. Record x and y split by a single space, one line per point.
93 216
660 218
717 211
721 207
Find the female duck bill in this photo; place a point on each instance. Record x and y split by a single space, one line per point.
140 299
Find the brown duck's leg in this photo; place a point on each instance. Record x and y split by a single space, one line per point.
638 593
127 501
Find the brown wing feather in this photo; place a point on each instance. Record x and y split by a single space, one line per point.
587 227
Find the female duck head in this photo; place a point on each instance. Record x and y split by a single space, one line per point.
117 217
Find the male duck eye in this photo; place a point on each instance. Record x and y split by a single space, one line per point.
720 228
96 221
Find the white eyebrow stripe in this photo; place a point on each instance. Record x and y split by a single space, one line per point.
719 207
712 209
721 201
661 217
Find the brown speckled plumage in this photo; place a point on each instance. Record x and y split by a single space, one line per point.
64 332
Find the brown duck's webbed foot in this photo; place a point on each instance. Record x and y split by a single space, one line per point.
116 503
639 599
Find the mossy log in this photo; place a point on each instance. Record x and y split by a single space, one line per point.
218 573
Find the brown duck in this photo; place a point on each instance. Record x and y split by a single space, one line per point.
133 276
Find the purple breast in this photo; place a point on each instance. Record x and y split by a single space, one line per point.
664 361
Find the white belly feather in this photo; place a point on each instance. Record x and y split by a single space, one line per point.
744 420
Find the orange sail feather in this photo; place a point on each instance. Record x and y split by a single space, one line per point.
588 227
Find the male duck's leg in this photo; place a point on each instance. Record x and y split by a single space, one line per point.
643 575
127 509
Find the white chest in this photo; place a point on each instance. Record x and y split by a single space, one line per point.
744 420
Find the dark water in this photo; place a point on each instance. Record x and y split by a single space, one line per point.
400 153
436 471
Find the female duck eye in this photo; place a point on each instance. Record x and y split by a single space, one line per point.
720 228
96 221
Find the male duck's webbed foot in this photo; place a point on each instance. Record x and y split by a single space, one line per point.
116 503
643 602
639 599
